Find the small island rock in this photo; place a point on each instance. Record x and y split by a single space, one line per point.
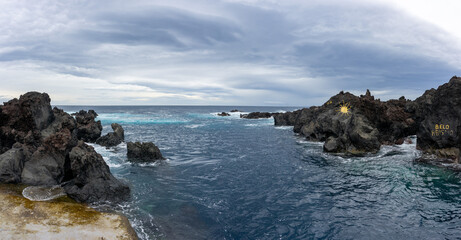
143 152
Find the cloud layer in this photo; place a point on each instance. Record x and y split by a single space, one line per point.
218 52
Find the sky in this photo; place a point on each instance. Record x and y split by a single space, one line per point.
226 52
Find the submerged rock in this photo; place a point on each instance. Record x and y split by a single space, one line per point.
143 152
223 114
113 138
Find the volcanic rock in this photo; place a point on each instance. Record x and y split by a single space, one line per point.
88 129
113 138
39 146
438 114
143 152
223 114
91 179
256 115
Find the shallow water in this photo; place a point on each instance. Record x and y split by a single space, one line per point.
232 178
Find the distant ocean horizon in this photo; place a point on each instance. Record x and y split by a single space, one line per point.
233 178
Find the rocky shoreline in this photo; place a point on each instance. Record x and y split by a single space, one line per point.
357 125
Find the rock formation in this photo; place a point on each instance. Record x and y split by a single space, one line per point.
40 146
438 115
87 128
223 114
143 152
256 115
114 138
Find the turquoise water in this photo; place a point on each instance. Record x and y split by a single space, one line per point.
232 178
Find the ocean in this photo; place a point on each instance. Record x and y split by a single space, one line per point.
232 178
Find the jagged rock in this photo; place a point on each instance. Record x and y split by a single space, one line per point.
23 118
256 115
11 165
88 129
31 111
36 143
143 152
223 114
91 179
438 114
286 119
113 138
235 110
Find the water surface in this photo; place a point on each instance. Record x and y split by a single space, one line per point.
232 178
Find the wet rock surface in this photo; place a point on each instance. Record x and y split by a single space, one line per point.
113 138
143 152
40 146
61 218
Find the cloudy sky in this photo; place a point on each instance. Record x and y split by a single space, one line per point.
230 52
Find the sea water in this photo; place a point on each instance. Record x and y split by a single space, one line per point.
233 178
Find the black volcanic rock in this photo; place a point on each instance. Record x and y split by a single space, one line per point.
88 129
91 179
286 119
143 152
235 110
438 113
11 165
256 115
39 146
114 138
223 114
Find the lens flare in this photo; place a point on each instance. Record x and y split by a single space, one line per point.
344 108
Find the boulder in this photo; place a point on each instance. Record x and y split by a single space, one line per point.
113 138
90 177
11 165
143 152
234 110
88 129
223 114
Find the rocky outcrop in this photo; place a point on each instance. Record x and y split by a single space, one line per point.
39 146
256 115
88 129
223 114
91 179
234 110
438 115
143 152
113 138
286 119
